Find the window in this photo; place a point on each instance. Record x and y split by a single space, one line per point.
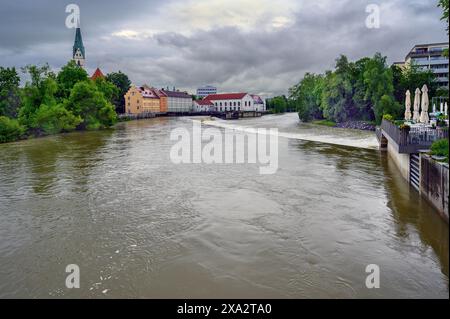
239 103
225 103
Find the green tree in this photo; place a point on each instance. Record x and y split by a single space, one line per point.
123 83
109 90
410 78
89 103
337 103
41 113
363 106
69 75
40 90
378 80
279 104
306 96
444 4
9 92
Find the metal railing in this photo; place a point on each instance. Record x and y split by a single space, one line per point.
414 139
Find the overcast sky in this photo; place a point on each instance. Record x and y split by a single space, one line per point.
257 46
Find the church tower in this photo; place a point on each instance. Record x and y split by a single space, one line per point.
78 49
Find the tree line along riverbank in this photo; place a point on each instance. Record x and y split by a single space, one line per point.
355 94
51 103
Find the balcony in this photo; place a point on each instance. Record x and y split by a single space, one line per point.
407 142
440 70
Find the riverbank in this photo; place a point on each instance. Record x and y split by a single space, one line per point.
355 125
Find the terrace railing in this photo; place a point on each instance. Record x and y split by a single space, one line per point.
414 139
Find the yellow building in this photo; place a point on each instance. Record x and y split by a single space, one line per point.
142 100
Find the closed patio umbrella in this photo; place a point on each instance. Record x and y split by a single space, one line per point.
416 115
408 106
425 104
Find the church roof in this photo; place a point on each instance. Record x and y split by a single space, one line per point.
97 74
78 43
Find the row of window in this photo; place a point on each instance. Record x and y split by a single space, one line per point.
246 103
230 108
439 66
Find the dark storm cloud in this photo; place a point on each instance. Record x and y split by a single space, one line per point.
259 60
310 45
25 23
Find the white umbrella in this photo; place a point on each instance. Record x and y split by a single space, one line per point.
416 115
442 108
425 104
408 106
434 108
446 109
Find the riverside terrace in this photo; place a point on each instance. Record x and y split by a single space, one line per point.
407 141
408 146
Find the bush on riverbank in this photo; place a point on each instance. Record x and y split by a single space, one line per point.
10 130
54 119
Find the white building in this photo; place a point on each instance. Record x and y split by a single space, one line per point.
178 101
203 106
258 103
235 102
206 90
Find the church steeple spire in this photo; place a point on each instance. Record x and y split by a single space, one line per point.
79 55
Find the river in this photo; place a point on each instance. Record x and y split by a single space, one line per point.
138 225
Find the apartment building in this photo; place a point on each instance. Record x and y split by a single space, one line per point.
430 57
206 90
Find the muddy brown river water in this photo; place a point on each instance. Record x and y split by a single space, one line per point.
138 225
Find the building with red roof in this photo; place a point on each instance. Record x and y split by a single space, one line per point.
97 74
226 102
204 106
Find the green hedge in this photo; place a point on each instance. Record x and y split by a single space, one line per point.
440 148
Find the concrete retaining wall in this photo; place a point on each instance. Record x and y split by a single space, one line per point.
400 160
434 179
